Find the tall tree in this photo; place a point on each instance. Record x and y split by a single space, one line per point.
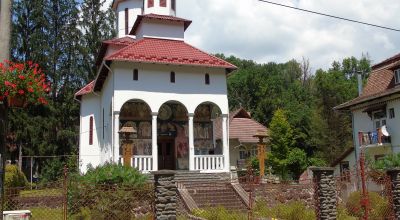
97 25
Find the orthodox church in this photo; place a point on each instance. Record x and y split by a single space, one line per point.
170 92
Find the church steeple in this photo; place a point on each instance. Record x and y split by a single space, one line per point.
128 10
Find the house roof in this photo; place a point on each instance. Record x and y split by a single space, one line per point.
140 18
241 127
380 83
342 156
164 51
116 43
85 90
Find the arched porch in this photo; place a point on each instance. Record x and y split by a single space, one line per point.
173 138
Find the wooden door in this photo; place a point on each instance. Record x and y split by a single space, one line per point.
166 154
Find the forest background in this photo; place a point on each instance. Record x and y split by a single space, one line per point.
292 100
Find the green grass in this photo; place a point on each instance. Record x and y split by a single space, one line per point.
41 193
46 213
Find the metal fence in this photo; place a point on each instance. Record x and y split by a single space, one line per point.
70 198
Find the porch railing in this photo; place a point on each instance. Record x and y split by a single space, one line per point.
141 162
208 162
373 138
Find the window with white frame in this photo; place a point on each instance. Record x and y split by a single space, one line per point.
397 76
379 119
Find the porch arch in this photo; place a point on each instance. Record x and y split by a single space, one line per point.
173 136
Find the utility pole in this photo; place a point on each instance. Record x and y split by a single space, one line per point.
5 36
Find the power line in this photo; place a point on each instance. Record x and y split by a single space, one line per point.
331 16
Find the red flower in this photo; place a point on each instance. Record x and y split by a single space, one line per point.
21 92
7 83
21 77
30 90
1 97
13 86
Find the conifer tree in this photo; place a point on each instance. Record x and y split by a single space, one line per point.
97 25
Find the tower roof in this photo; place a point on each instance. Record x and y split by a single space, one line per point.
140 18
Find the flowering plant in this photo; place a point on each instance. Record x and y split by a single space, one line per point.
24 81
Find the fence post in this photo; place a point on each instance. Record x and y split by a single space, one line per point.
65 188
394 175
325 193
165 194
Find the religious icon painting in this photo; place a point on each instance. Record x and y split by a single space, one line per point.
144 130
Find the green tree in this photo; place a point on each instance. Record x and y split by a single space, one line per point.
282 142
97 26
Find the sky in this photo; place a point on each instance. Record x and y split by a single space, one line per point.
250 29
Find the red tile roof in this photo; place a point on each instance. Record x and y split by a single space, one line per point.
140 18
85 90
380 83
241 127
120 41
162 51
116 43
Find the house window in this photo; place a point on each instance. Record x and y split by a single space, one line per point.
379 118
173 4
172 77
397 76
135 74
379 157
207 79
150 3
163 3
345 170
391 113
126 21
91 130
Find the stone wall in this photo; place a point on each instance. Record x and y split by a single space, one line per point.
325 192
165 195
395 179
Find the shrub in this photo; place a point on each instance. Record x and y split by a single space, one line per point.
109 192
14 177
378 206
290 211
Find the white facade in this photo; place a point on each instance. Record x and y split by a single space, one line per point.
173 118
362 122
128 10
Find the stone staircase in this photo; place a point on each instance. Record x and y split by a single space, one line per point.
203 190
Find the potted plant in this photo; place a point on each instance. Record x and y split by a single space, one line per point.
22 84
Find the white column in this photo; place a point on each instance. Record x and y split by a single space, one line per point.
225 145
116 137
191 142
154 141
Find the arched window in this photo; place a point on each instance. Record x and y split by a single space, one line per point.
207 79
150 3
91 130
163 3
172 77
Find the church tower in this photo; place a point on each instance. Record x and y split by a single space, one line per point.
128 10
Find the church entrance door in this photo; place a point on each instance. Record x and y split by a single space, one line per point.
166 154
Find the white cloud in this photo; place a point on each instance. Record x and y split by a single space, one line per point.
254 30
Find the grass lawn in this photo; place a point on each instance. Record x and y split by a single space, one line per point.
46 213
41 192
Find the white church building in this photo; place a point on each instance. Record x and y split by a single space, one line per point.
169 90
